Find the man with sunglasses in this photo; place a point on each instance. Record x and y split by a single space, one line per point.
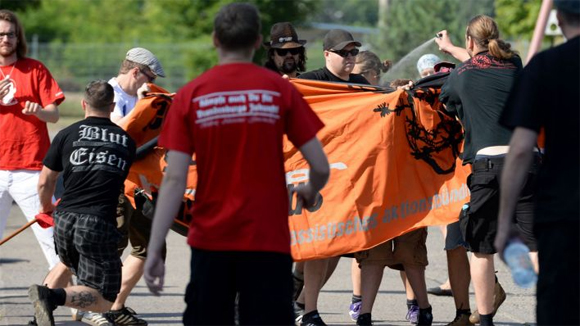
139 68
286 53
340 51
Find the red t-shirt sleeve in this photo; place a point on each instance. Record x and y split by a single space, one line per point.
177 131
49 91
302 123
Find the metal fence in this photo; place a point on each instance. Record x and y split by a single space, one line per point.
74 65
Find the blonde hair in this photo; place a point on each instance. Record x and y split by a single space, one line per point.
485 33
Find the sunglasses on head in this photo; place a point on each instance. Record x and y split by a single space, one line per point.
284 52
344 53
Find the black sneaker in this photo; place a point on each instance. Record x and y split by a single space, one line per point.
364 320
125 316
312 319
43 308
425 317
32 322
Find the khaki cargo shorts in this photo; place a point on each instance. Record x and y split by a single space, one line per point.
408 249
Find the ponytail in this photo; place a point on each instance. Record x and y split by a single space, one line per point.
501 49
484 31
385 66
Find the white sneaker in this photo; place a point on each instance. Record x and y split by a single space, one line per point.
96 319
77 315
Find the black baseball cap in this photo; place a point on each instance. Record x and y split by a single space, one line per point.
337 39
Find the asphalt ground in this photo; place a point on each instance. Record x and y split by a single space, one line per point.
22 264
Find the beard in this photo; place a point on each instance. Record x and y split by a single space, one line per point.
288 66
7 51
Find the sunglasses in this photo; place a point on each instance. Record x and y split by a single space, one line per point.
345 53
150 78
284 52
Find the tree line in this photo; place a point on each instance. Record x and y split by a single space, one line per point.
185 25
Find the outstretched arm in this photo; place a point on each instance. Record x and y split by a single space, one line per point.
167 207
445 45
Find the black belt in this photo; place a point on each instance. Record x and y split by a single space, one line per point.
486 164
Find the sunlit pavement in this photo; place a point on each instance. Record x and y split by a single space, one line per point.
22 263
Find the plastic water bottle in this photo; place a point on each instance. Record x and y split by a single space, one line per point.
517 257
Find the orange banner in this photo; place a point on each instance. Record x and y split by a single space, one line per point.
394 168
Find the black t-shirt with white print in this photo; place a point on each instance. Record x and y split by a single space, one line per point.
95 156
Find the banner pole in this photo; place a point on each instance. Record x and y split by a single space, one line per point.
536 42
24 227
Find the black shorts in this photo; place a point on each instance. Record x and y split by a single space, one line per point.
479 221
261 280
87 244
558 282
134 227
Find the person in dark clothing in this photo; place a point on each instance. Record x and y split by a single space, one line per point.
340 51
286 53
94 156
476 92
546 96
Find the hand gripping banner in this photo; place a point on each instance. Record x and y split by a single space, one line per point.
394 168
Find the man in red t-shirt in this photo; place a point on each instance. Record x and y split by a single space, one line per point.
29 98
239 233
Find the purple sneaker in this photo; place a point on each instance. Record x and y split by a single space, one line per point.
413 314
354 310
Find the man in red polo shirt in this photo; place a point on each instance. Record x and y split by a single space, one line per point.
239 233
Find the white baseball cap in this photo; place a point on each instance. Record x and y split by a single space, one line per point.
427 61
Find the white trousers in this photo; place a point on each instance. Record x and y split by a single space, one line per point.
21 186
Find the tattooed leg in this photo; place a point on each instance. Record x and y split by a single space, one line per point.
83 299
86 298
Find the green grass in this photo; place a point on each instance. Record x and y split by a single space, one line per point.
70 111
71 107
